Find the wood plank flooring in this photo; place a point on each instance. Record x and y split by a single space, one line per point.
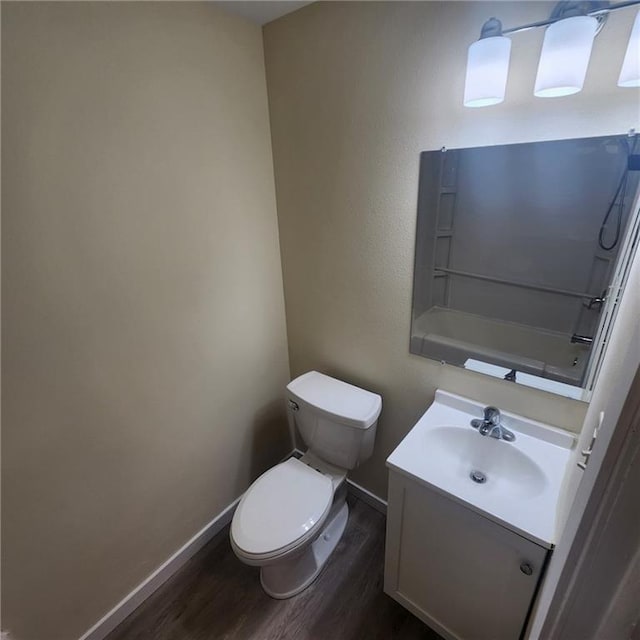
215 596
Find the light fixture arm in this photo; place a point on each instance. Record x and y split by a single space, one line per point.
564 59
566 8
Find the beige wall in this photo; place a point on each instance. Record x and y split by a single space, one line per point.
356 91
143 332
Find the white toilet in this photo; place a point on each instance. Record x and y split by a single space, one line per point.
293 516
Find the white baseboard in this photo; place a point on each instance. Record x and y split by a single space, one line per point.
147 587
366 496
131 602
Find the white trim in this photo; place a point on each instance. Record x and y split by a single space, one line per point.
133 600
366 496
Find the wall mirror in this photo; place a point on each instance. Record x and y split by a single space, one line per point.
521 253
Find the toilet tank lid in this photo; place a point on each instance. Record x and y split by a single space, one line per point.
345 402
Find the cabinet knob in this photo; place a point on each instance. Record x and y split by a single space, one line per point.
526 568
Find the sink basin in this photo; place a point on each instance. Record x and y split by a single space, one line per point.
455 453
516 484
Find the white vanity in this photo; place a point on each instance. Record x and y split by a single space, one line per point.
471 518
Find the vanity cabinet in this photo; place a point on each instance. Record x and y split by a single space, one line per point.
464 575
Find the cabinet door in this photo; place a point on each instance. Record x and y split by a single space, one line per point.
456 570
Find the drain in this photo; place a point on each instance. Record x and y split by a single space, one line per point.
478 476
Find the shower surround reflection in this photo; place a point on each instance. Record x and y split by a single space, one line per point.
516 249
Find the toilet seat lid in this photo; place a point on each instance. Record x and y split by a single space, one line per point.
282 506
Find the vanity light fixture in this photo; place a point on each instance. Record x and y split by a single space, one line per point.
487 67
564 59
565 56
630 72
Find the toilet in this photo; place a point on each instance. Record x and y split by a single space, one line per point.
292 517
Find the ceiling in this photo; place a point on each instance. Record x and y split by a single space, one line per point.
262 11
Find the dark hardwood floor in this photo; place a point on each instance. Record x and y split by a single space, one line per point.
215 596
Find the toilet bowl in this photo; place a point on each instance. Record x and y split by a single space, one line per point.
292 517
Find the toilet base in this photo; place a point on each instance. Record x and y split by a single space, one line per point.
287 579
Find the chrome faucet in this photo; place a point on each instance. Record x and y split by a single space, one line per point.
490 426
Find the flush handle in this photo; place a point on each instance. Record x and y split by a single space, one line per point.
293 405
526 568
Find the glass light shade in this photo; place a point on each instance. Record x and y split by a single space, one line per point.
630 72
565 56
487 69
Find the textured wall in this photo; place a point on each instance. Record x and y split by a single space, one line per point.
144 343
356 91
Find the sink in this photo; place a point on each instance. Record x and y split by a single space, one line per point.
455 453
516 484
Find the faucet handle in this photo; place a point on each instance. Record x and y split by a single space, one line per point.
492 415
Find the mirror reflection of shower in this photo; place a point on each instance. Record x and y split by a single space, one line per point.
516 248
617 204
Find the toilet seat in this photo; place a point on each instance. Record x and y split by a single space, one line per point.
281 510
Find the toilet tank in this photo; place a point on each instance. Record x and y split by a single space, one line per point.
336 420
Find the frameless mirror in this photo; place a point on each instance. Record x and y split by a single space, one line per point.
517 247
